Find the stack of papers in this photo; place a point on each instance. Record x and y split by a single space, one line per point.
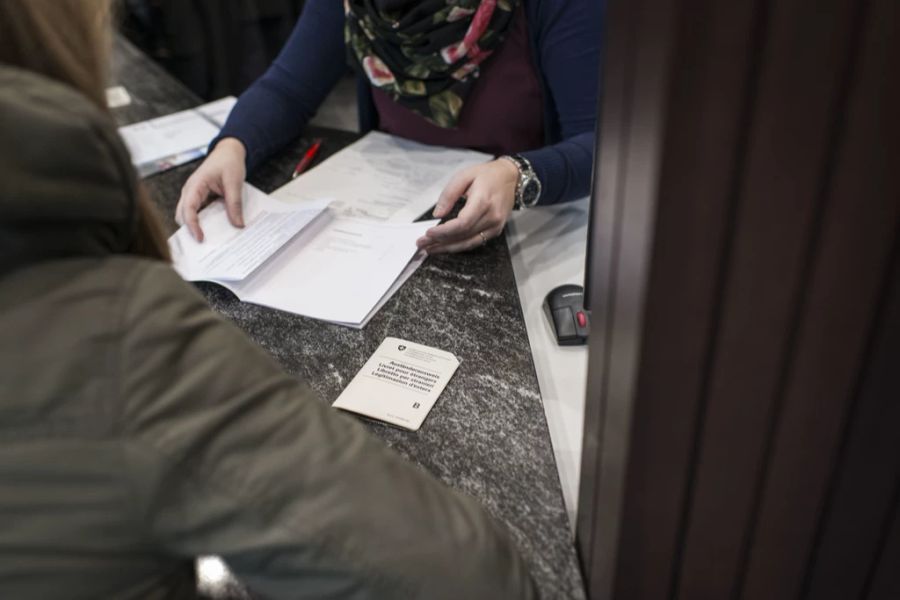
301 258
338 261
166 142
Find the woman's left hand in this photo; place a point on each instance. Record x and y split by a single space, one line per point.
490 191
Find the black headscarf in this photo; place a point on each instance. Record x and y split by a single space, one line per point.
426 53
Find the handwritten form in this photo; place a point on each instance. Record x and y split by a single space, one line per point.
382 177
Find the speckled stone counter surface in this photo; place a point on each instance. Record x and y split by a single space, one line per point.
487 434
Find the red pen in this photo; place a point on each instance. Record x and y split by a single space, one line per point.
307 158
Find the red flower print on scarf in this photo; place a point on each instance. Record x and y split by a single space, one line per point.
469 45
378 72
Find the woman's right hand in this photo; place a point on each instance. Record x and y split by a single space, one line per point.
221 175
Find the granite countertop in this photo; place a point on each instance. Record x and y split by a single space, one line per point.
487 435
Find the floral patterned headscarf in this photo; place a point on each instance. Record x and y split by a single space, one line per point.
425 53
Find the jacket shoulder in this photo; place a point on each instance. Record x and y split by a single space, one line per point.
64 329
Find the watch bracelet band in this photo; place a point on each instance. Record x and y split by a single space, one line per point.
526 172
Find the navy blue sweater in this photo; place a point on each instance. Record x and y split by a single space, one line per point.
566 41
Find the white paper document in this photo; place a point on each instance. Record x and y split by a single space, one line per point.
117 97
165 142
399 384
218 111
382 177
301 258
232 254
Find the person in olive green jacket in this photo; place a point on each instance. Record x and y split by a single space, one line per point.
139 430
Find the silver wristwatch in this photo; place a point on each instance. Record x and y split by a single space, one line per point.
528 188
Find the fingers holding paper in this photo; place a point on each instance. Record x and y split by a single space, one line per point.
490 196
222 176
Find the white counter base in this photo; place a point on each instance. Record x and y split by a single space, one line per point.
548 249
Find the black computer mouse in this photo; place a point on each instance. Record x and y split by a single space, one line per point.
564 307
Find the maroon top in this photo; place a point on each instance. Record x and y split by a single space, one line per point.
502 115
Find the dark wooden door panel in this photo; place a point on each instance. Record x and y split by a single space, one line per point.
865 486
885 579
741 438
837 316
715 47
794 113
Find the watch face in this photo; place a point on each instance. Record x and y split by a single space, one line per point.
530 192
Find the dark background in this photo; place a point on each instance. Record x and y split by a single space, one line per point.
215 47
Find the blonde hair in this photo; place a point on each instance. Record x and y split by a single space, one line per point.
70 41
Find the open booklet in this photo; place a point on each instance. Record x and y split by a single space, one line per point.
302 259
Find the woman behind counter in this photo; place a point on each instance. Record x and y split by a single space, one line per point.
514 78
138 430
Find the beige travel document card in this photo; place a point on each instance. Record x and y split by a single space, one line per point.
399 384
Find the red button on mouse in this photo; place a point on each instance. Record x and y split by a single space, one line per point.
582 319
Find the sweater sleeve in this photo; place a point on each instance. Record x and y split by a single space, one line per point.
235 458
568 47
274 110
